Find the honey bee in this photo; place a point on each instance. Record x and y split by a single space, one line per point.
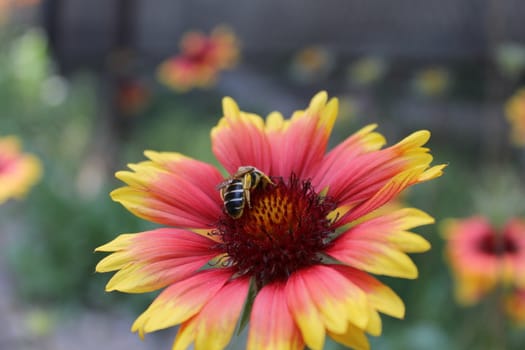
235 192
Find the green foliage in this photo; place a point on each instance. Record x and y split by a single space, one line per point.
54 258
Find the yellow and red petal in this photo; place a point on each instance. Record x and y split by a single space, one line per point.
304 312
362 142
378 245
154 259
171 189
389 190
185 336
181 301
374 257
391 229
337 298
213 327
299 144
325 300
379 296
353 337
271 324
239 139
374 325
354 175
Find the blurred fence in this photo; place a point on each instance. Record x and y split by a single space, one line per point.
84 33
121 38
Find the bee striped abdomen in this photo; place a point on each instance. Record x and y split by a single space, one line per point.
234 198
235 191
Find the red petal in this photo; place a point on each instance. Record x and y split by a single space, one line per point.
239 139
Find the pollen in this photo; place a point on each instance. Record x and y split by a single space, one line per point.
285 228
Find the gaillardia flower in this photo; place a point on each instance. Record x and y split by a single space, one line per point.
297 261
483 257
18 171
201 59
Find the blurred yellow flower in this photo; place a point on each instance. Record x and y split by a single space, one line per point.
18 171
367 70
515 113
432 81
312 63
201 59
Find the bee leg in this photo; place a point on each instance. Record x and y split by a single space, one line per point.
266 181
246 185
247 196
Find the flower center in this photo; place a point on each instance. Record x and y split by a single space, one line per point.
283 229
495 244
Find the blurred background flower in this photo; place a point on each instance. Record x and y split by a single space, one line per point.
484 257
312 63
18 171
132 97
201 59
432 81
367 70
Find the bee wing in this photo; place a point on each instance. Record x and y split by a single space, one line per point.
223 184
243 170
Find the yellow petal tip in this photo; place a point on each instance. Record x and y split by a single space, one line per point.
319 100
230 107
